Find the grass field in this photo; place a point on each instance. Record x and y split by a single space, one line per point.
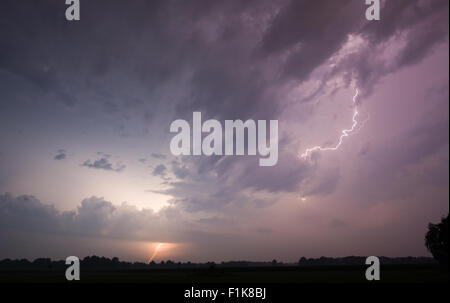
417 273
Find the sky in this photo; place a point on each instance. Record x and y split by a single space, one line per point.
86 107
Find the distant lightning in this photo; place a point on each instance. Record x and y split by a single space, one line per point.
345 132
155 252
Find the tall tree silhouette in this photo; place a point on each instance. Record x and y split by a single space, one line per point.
436 240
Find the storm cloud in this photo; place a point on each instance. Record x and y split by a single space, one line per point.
116 79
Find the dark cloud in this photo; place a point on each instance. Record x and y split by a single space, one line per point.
364 150
421 25
25 222
402 15
179 170
103 163
158 156
61 155
160 170
307 41
212 183
94 217
180 43
27 213
105 155
283 177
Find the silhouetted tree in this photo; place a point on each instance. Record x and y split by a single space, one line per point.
436 240
211 265
302 261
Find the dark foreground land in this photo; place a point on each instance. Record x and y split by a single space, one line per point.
396 273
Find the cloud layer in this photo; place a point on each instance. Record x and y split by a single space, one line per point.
115 80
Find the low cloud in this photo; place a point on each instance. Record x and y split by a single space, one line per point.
160 170
25 222
103 163
61 155
158 156
94 217
179 170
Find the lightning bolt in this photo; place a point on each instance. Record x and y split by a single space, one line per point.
155 252
345 133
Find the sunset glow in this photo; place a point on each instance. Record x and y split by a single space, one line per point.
155 252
